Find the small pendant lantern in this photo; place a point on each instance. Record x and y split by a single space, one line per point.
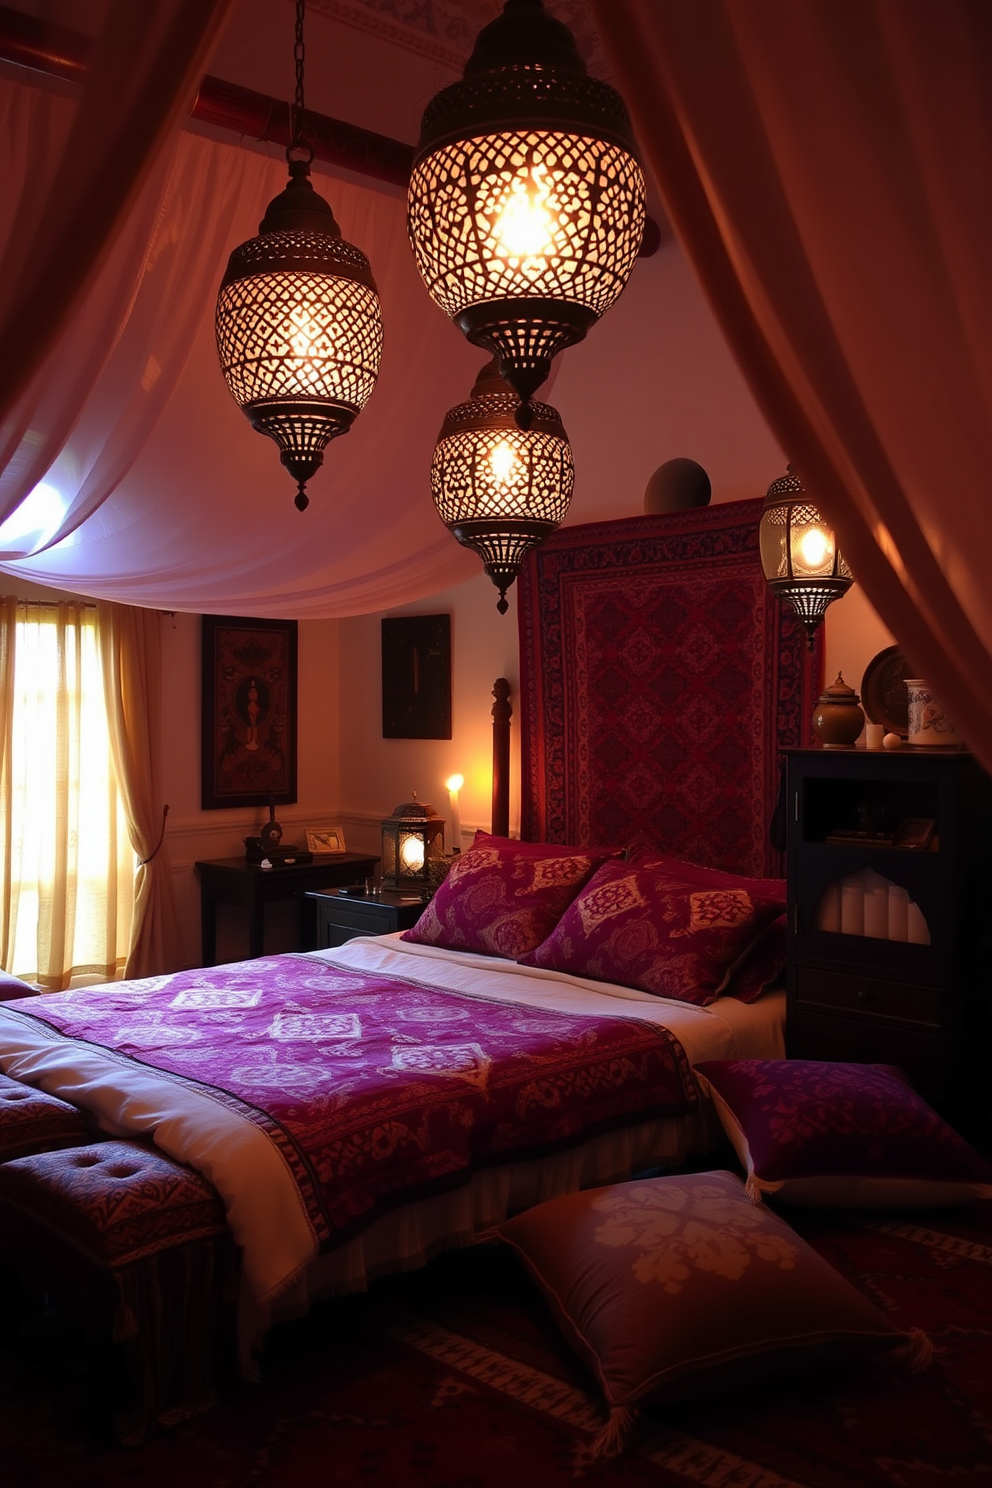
500 489
526 205
799 553
412 840
299 331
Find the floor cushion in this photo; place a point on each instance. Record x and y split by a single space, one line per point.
847 1135
679 1286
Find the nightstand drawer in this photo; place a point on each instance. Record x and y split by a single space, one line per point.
848 993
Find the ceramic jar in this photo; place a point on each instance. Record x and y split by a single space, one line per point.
927 724
838 718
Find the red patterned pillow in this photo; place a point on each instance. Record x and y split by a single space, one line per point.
663 926
502 897
856 1135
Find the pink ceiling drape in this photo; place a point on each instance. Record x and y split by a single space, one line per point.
826 166
143 72
155 490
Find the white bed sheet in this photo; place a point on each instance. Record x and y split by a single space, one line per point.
278 1246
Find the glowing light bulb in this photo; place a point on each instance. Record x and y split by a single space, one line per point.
503 462
412 853
525 227
305 331
815 547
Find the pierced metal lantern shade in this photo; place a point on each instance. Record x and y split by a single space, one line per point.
799 553
412 843
500 489
526 204
299 333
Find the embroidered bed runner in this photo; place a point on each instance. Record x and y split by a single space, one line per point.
378 1089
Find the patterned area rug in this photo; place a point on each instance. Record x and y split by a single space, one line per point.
455 1377
659 681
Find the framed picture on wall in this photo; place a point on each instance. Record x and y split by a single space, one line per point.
248 725
416 677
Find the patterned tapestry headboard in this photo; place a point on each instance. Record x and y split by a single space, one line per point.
659 679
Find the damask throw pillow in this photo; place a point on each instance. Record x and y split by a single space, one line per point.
662 925
502 897
851 1135
679 1286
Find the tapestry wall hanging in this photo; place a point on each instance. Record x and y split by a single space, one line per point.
660 680
249 712
416 677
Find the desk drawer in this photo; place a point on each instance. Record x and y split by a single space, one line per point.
851 994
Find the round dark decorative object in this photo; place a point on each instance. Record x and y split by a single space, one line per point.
883 690
676 486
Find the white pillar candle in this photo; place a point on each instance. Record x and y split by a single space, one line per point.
454 784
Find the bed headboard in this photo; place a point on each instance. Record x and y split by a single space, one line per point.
659 680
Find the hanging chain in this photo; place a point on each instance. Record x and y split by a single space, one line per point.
299 58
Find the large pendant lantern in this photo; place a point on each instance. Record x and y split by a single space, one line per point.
299 332
799 553
526 204
500 489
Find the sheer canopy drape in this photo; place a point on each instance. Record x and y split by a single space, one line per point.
826 167
144 67
154 490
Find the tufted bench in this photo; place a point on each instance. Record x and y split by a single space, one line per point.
31 1121
140 1244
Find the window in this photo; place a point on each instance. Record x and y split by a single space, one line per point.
67 871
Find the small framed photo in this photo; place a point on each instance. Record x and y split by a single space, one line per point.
324 844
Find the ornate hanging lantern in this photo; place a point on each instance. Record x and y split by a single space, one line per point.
526 205
799 553
500 489
299 333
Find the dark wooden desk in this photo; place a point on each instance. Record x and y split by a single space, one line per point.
236 881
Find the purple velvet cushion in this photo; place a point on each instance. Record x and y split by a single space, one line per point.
12 987
502 897
662 925
846 1134
32 1121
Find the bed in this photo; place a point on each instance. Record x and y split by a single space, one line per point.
151 1060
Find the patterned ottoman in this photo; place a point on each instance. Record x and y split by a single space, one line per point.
140 1243
31 1121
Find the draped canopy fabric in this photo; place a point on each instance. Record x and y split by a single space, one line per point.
155 489
826 167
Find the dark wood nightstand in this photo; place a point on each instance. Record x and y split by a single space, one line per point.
236 881
340 917
867 998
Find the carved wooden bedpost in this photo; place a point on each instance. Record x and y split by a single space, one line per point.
502 713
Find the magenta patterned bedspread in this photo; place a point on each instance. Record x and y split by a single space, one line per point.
378 1090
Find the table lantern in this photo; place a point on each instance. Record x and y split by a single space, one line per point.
412 838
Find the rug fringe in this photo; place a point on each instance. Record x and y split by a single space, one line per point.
916 1353
611 1441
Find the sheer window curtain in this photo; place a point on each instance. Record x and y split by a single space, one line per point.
826 167
67 879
